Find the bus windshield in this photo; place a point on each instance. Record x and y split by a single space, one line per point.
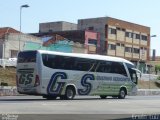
27 57
133 73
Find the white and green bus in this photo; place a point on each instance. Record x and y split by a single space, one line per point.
56 74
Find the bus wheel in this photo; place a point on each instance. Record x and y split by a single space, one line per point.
103 96
70 93
122 93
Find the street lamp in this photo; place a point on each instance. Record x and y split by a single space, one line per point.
150 60
154 36
22 6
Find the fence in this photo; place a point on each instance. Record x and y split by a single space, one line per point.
11 62
7 91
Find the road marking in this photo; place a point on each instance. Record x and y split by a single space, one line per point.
53 104
119 102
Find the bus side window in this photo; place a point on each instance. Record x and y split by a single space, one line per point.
83 64
118 68
104 66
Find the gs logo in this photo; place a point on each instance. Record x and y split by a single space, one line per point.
25 79
53 82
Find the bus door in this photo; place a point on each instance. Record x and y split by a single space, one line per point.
134 76
104 77
133 73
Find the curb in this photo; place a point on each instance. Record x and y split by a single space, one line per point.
12 91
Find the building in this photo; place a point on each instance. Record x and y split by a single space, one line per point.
12 41
83 41
120 38
56 26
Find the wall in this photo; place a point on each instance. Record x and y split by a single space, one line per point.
57 26
98 25
94 36
137 43
60 46
12 42
69 26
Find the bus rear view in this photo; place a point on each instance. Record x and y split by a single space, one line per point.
27 78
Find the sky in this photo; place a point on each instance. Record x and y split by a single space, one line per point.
143 12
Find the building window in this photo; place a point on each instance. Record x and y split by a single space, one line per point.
137 36
92 41
111 31
122 45
91 28
14 53
129 34
111 47
136 50
128 49
143 37
118 44
134 35
118 28
123 30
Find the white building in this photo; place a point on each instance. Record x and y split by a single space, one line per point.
12 41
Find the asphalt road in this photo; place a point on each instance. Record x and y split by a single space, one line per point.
84 108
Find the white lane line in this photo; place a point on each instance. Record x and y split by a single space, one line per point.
124 102
53 104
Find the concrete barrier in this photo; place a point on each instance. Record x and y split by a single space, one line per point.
143 92
12 91
8 91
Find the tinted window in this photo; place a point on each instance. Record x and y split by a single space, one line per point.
26 57
84 64
105 67
111 67
68 63
118 67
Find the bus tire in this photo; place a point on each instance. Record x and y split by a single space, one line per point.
122 93
103 96
70 93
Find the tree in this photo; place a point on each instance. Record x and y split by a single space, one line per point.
157 68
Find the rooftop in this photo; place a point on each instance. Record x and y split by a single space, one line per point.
6 30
